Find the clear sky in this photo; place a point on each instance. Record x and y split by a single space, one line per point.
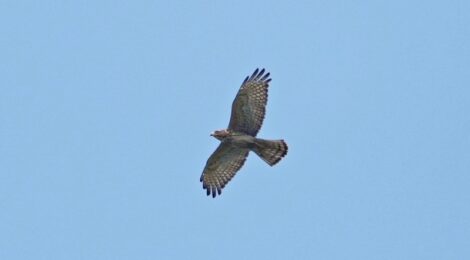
106 109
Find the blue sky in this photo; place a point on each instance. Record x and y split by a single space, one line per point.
106 109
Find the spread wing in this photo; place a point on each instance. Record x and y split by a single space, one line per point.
221 166
249 106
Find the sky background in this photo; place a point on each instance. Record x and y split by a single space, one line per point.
106 109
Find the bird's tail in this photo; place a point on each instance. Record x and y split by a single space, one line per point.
271 151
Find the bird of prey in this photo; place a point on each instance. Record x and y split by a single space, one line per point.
239 138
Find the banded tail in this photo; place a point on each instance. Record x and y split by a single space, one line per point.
271 151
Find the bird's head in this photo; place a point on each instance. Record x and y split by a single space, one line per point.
220 134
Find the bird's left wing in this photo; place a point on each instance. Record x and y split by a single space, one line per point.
221 166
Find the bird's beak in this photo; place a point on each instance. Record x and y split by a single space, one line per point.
212 134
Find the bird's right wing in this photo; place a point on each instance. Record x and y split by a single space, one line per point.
249 106
221 166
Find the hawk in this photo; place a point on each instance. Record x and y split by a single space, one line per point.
239 138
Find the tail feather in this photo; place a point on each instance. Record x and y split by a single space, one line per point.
271 151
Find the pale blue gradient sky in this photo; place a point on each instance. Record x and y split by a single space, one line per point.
106 109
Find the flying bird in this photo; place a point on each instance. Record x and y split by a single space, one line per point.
248 110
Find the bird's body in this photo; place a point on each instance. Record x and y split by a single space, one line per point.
237 139
248 110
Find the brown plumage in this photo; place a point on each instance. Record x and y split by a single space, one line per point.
248 110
